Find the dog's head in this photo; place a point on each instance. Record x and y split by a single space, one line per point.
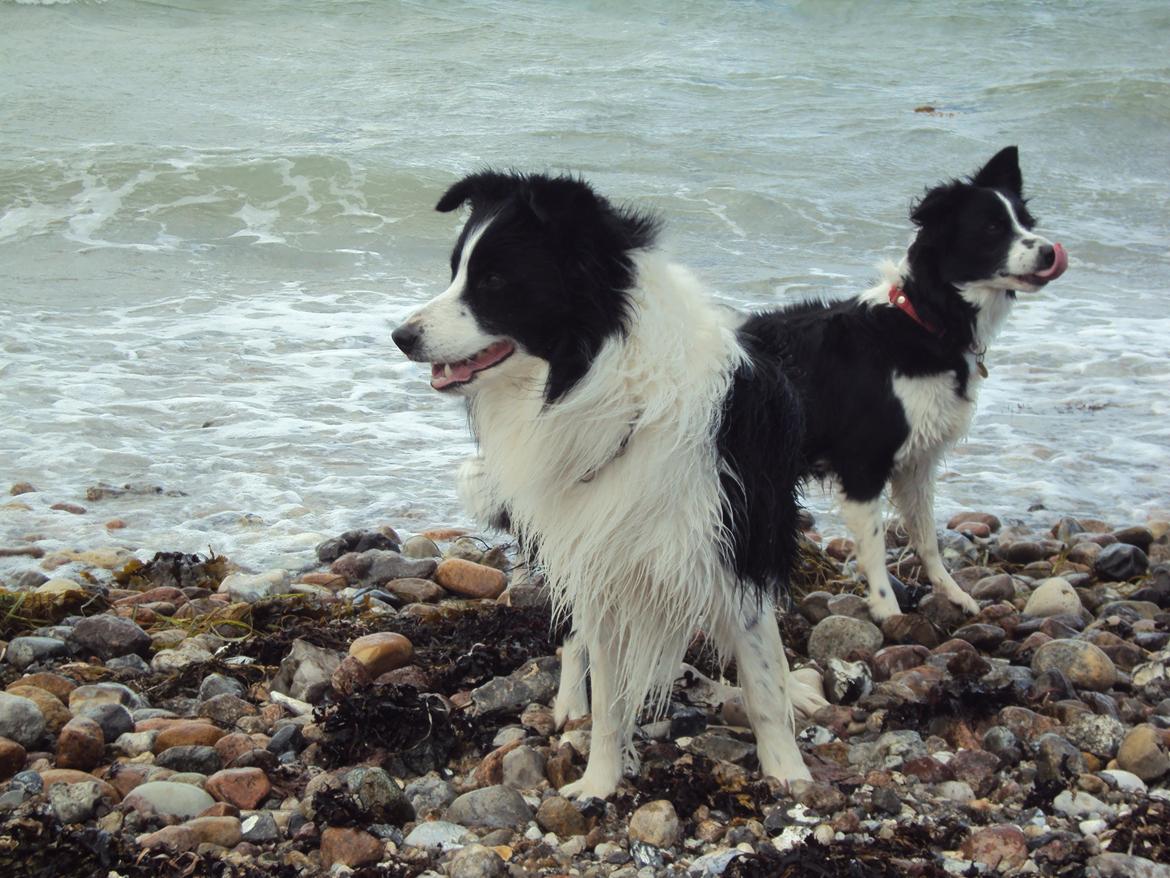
540 270
978 233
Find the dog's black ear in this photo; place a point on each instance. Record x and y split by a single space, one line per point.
1002 171
483 188
933 204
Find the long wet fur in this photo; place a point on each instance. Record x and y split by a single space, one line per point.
645 447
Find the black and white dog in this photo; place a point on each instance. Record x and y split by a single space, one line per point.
888 379
644 446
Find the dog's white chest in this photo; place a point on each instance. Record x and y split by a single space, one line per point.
937 415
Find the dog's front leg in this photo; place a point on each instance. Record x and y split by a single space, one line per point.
609 738
572 701
913 490
763 674
864 520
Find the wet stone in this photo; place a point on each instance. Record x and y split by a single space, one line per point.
1084 665
1144 754
1120 562
108 637
25 651
1057 761
559 815
192 757
842 636
20 720
496 807
655 823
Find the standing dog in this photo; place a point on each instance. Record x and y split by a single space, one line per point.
645 448
888 379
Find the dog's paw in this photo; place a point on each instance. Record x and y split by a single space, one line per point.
565 709
963 601
881 608
587 788
807 692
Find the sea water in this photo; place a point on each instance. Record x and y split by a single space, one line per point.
212 214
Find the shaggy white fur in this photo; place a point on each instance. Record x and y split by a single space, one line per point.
616 489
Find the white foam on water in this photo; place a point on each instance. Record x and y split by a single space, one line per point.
198 285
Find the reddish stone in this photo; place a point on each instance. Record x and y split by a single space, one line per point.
221 809
52 683
442 534
973 528
953 645
350 847
350 676
245 788
81 744
490 772
840 548
12 756
71 508
988 520
52 776
411 675
230 746
1000 847
125 776
187 733
892 659
928 770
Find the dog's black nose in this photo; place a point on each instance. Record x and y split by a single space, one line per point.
1047 255
407 337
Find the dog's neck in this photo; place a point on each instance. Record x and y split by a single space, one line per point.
989 305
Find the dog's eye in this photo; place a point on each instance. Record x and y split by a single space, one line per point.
491 282
993 226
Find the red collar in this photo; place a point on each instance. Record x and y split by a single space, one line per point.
900 300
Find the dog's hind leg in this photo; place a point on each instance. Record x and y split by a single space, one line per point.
913 491
610 736
753 637
572 701
864 520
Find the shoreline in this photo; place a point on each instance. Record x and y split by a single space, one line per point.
235 723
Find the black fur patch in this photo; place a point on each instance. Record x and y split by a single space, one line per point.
552 269
759 447
843 356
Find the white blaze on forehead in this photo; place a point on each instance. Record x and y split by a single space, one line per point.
460 280
1016 227
448 330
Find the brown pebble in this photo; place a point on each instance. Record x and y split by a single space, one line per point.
115 524
350 847
350 676
12 756
245 788
53 683
80 744
470 579
55 713
188 733
71 508
1000 847
381 652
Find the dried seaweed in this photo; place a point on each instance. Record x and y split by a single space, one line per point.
689 782
175 569
387 720
965 696
1144 832
899 857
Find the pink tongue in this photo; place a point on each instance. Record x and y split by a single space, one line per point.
460 372
1059 264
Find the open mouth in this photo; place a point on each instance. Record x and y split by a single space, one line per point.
444 376
1052 272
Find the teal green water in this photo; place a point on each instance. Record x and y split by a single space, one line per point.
212 212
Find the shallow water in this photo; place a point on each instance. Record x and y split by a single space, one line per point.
211 214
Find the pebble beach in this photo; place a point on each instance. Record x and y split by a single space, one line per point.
387 711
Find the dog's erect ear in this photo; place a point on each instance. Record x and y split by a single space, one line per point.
1002 171
933 204
483 188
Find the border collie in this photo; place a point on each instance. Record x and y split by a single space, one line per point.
888 379
644 449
